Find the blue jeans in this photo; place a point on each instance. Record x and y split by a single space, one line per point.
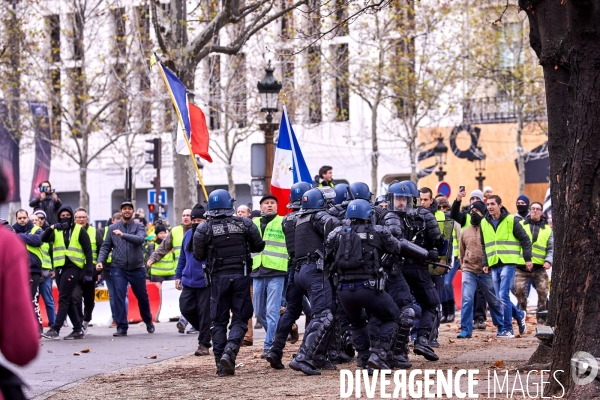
111 294
267 303
46 293
503 277
120 280
470 282
448 293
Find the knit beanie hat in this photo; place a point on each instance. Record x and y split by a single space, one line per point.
524 198
479 205
159 228
476 193
198 211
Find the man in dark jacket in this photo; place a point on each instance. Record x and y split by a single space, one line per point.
72 258
194 302
31 235
126 241
48 201
503 240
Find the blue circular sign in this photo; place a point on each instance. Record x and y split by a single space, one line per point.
444 188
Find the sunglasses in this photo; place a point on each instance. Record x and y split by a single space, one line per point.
40 217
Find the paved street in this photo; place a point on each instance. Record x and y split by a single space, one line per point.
56 364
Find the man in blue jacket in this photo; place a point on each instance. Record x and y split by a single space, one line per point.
31 235
194 302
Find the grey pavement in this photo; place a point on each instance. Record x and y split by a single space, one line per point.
56 365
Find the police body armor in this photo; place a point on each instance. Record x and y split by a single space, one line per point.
289 230
447 230
228 250
357 255
308 239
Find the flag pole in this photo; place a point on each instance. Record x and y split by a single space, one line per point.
187 141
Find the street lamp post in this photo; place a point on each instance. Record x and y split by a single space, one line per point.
440 150
268 90
480 167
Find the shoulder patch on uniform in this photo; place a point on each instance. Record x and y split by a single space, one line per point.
235 228
218 230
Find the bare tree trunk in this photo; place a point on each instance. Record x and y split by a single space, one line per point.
413 154
230 182
83 194
520 154
375 148
564 37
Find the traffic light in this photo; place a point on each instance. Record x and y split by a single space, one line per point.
151 208
155 154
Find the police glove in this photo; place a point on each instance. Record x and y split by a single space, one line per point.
434 255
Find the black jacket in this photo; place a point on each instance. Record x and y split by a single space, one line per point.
127 251
458 215
49 206
518 232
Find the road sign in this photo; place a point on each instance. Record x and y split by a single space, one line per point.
152 196
444 188
258 187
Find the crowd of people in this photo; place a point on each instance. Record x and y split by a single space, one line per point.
373 278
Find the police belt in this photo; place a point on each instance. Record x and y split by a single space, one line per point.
359 285
306 259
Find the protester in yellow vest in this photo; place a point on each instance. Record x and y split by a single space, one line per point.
503 241
31 235
171 244
269 269
88 289
542 251
72 258
164 268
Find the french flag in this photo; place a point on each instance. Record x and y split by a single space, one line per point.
191 119
289 166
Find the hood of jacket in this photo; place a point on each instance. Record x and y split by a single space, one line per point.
66 208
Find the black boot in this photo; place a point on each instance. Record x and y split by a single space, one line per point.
274 358
220 369
362 361
444 316
422 348
228 360
450 311
347 347
379 354
300 363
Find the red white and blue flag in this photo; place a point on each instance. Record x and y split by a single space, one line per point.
289 166
191 119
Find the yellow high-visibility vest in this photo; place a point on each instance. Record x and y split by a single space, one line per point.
275 255
177 234
92 234
109 258
165 266
36 251
539 248
74 251
500 244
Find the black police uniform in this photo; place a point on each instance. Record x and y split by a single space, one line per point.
424 231
226 242
360 288
310 280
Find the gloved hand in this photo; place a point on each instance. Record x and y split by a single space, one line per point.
59 226
434 255
87 278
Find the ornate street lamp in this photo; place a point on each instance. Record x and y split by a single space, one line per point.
440 150
268 90
480 167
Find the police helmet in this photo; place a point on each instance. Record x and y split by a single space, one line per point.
219 198
313 199
359 209
341 192
381 199
400 197
413 188
360 190
298 189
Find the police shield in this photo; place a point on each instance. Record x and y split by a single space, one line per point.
446 228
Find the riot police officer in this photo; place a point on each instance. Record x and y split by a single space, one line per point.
356 249
313 223
338 208
226 241
293 296
420 227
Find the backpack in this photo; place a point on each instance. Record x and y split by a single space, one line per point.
349 252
